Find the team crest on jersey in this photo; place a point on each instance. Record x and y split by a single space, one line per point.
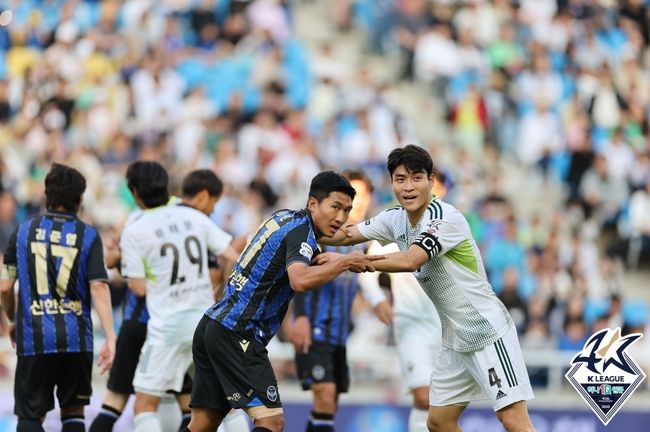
306 251
433 226
604 374
272 393
318 372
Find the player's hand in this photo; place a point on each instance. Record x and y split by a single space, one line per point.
106 355
11 329
301 335
359 262
347 229
384 312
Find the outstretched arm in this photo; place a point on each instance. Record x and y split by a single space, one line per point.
401 262
304 277
346 236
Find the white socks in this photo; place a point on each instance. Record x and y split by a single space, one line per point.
147 422
418 420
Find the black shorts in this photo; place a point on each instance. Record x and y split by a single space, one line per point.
127 353
324 363
231 371
36 377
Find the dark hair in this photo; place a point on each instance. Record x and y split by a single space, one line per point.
64 187
150 181
359 176
327 182
199 180
414 159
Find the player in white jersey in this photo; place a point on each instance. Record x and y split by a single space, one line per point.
416 326
165 256
480 355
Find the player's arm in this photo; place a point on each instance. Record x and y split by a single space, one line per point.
437 238
304 277
101 296
401 262
298 258
346 236
137 285
301 332
132 263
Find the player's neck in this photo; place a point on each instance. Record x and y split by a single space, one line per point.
415 216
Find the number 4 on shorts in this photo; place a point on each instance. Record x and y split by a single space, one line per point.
494 378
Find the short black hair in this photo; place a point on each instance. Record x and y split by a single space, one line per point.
150 180
414 159
64 187
327 182
360 176
203 179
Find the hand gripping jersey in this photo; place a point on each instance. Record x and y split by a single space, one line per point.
168 246
454 278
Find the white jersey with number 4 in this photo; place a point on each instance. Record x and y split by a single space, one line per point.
168 246
471 315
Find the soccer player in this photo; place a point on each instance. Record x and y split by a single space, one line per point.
322 321
232 366
480 355
59 263
199 190
165 255
416 326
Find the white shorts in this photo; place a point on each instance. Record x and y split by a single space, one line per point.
497 373
418 343
162 368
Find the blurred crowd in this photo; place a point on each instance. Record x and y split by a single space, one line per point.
557 89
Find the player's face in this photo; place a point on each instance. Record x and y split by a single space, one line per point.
361 201
412 189
330 214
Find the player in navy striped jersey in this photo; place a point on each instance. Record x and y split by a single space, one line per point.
322 324
230 358
59 264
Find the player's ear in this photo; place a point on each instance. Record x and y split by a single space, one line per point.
312 204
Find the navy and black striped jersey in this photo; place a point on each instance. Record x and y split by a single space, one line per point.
329 308
54 257
135 308
258 292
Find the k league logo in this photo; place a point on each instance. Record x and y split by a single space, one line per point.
604 374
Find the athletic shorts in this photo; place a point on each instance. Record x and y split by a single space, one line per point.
163 369
232 370
418 343
324 363
497 373
127 352
38 375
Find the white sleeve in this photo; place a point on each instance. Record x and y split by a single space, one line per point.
378 228
218 239
369 282
132 261
439 237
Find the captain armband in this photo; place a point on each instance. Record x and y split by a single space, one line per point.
8 272
429 243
